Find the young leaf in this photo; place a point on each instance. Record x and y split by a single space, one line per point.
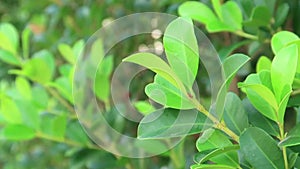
235 116
218 8
157 65
18 132
197 11
292 138
9 58
211 166
283 70
10 111
144 107
166 94
232 15
23 87
263 63
170 123
66 51
260 150
281 39
182 50
9 38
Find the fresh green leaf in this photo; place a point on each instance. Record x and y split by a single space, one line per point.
18 132
157 65
10 111
283 70
232 15
23 87
169 123
218 8
260 150
166 94
235 116
292 138
9 38
197 11
25 42
144 107
9 58
54 126
182 50
211 166
263 63
281 39
67 52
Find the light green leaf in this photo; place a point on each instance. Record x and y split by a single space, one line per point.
260 150
197 11
10 111
77 48
9 58
18 132
263 63
157 65
102 87
53 126
235 116
170 123
9 37
67 53
211 166
292 138
23 87
144 107
283 70
281 39
262 99
232 15
182 50
25 42
166 94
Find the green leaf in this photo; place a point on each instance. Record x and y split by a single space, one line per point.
260 17
25 42
40 68
67 53
283 70
211 166
231 66
218 8
258 120
9 38
166 94
76 133
281 14
235 116
281 39
232 15
263 63
262 99
63 85
292 138
23 87
10 111
181 48
213 139
197 11
18 132
77 48
217 152
169 123
157 65
260 150
226 51
9 58
54 126
144 107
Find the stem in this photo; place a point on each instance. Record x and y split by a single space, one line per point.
245 35
296 92
282 136
62 100
218 124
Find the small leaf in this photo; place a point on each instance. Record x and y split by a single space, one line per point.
226 51
260 150
218 8
263 63
211 166
170 123
281 14
66 51
182 50
18 132
232 15
9 58
197 11
235 116
156 64
25 42
166 94
23 87
144 107
292 138
283 70
260 17
10 111
281 39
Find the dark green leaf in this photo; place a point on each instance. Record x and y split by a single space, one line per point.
260 17
281 14
211 166
260 150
